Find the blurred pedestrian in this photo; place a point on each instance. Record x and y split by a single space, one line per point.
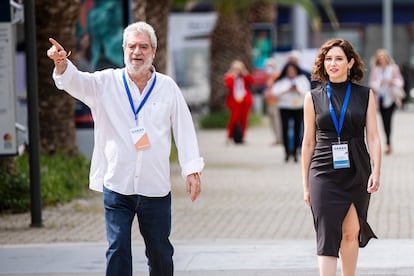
135 109
290 89
238 81
294 57
388 84
405 73
83 55
339 171
272 107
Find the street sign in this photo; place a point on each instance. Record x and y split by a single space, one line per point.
8 135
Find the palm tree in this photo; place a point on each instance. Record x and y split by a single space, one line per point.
138 10
8 165
231 37
262 11
227 44
57 130
312 10
156 14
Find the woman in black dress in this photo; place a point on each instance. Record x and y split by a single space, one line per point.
339 170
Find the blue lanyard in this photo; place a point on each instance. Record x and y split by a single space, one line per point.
338 125
131 102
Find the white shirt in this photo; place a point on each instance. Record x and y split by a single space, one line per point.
378 74
239 91
291 100
115 161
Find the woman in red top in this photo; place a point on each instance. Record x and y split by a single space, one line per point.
239 99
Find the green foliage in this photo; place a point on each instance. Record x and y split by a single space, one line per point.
254 119
174 152
62 179
179 5
219 119
14 192
230 6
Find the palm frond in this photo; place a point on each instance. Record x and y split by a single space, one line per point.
326 4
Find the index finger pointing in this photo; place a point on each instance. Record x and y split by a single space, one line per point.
56 44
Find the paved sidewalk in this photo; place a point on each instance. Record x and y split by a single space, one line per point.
227 257
249 220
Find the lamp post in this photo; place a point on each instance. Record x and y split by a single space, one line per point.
32 100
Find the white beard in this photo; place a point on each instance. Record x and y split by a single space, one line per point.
138 70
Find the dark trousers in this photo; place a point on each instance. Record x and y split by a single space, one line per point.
297 116
386 115
154 219
239 113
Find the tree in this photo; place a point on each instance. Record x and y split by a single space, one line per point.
53 19
231 38
7 165
156 14
227 44
56 109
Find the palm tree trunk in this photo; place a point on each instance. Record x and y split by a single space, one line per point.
230 40
156 14
56 109
138 10
8 165
262 11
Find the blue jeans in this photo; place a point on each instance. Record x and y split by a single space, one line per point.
154 219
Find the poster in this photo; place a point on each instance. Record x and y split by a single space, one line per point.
262 44
99 31
7 91
189 54
98 43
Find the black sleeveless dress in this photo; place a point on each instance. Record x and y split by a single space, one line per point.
332 191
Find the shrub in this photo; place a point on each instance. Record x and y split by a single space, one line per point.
14 192
62 179
217 119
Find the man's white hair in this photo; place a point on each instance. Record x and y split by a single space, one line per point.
138 28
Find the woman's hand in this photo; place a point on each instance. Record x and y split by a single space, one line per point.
306 198
373 183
